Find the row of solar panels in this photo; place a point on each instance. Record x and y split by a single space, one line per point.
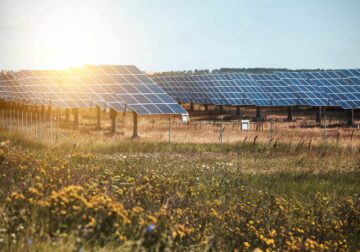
320 88
118 87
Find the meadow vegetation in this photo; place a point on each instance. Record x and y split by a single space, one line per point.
136 195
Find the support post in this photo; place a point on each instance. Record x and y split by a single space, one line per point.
44 135
191 106
49 111
98 117
238 113
42 111
123 122
258 114
22 120
17 117
10 121
325 130
26 119
50 118
31 120
113 115
221 131
135 125
351 121
206 107
58 123
318 115
67 115
290 114
169 129
76 117
36 123
221 108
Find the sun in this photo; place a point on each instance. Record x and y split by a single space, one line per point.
69 46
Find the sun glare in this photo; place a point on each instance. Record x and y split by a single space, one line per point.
69 47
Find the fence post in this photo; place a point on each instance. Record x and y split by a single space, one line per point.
270 130
50 117
22 121
325 130
169 129
58 123
221 131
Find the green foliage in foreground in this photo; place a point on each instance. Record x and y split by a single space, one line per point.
136 196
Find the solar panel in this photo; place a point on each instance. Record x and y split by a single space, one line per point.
228 91
279 92
129 88
16 91
255 94
205 87
215 89
125 87
186 89
347 96
340 85
346 73
5 93
308 94
44 87
118 87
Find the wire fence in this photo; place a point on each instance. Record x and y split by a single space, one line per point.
50 126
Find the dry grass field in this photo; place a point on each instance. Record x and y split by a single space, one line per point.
114 193
204 128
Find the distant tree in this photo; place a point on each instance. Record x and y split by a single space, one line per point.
258 70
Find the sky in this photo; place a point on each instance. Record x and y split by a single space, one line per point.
158 35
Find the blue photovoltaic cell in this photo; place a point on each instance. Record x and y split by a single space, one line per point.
132 89
109 86
184 89
280 93
340 86
308 94
174 88
254 93
230 91
44 87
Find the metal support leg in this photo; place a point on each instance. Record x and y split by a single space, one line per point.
135 125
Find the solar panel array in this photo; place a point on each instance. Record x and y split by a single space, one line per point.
185 88
127 88
280 93
253 93
51 87
308 94
232 94
319 88
110 86
342 88
6 86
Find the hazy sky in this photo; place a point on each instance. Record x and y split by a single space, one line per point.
180 34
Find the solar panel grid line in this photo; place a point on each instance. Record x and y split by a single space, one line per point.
17 91
95 92
303 86
141 92
337 86
252 92
64 93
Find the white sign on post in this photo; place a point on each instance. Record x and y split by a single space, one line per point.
245 124
185 118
